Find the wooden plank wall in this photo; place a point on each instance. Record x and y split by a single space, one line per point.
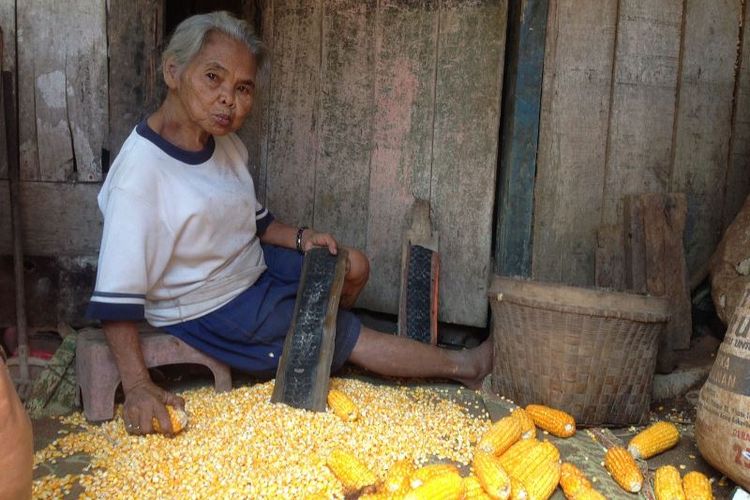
639 96
376 103
8 63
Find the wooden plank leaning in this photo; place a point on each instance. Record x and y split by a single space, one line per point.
305 365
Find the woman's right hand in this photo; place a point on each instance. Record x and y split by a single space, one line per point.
145 401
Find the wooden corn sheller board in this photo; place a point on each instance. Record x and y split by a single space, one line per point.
305 365
420 269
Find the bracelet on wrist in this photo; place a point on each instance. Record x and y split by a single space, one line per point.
298 242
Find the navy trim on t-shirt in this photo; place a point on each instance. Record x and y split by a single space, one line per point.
176 152
115 312
262 224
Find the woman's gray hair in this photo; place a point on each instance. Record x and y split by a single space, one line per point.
190 35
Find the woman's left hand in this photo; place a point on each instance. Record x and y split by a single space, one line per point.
312 238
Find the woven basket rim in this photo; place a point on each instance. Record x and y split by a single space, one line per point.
568 299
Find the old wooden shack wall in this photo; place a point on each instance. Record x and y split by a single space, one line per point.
362 107
639 96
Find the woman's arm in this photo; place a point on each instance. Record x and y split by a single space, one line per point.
144 400
283 235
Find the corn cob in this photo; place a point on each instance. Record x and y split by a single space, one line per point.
427 472
542 483
653 440
493 478
177 417
500 436
697 486
668 484
342 406
589 494
518 450
473 489
447 486
353 474
517 490
572 480
532 463
398 476
621 465
556 422
528 429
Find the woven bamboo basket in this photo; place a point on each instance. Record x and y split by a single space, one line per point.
589 352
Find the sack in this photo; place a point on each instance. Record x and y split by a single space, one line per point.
722 425
16 443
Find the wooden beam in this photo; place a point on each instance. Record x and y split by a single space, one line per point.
471 49
7 63
134 32
342 176
404 87
520 133
639 148
573 139
738 173
704 120
294 115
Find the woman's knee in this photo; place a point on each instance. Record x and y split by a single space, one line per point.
359 267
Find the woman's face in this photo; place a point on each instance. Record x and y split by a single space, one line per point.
217 87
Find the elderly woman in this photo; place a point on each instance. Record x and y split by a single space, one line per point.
187 245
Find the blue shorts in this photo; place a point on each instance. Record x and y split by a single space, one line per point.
248 332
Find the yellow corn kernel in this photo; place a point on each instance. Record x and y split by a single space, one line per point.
342 406
398 476
353 474
500 436
668 484
542 483
530 464
473 489
697 486
427 472
517 490
517 451
572 480
493 478
589 494
177 417
447 486
556 422
653 440
528 429
621 465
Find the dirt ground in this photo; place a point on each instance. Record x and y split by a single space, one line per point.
585 449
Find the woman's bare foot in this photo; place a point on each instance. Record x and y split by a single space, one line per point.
479 364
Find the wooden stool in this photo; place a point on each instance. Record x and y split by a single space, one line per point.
98 376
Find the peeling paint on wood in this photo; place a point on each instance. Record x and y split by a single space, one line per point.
50 226
293 117
573 137
738 171
404 79
520 133
62 74
471 45
703 123
135 37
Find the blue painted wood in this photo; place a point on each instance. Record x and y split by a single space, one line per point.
524 66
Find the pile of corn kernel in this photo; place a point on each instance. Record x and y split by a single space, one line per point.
238 444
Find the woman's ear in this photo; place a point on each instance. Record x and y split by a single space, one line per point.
171 73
